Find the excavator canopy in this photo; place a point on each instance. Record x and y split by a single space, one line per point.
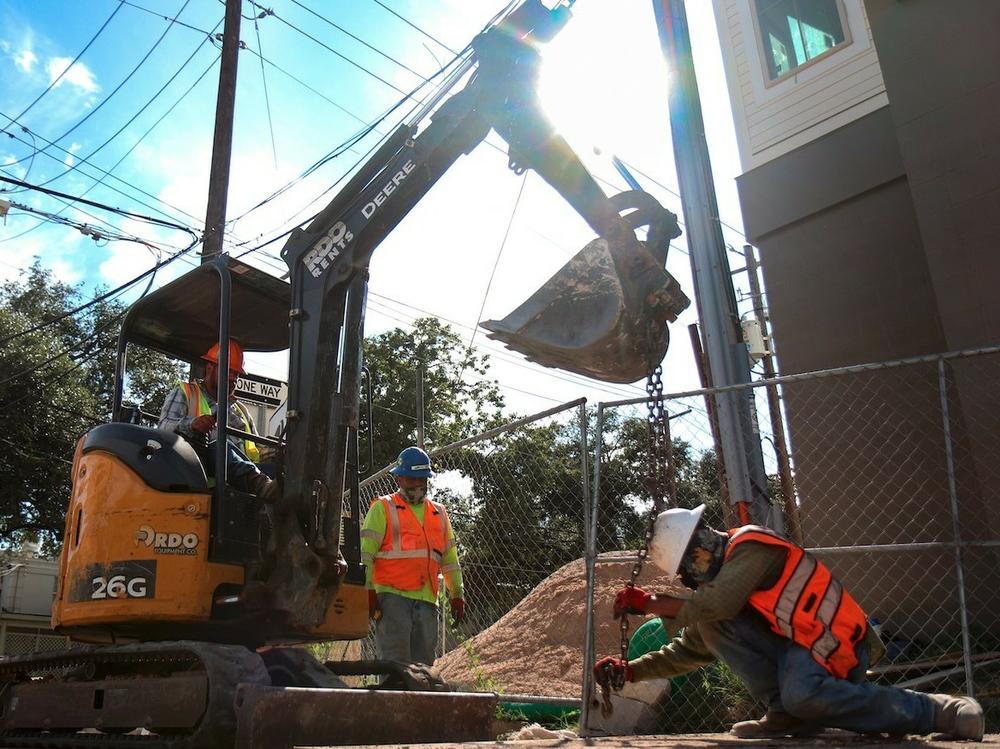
181 319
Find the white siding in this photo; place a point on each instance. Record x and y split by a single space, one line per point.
819 98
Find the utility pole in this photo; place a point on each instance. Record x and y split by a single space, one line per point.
774 405
420 405
716 302
222 143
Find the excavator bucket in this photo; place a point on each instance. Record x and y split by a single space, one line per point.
603 315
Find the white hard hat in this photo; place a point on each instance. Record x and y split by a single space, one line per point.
672 533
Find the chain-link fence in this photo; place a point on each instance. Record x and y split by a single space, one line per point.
517 497
25 640
893 476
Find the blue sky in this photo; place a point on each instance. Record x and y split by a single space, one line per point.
604 85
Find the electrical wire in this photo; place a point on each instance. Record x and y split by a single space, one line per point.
496 263
94 110
102 297
410 23
342 56
267 98
55 81
119 211
358 39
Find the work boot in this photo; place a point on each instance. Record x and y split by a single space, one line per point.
775 725
265 489
958 717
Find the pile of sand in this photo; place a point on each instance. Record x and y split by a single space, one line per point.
537 647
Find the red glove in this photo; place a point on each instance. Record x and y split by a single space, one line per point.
458 610
631 600
203 424
373 610
613 672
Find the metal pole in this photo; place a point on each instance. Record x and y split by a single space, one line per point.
774 406
591 558
705 377
222 143
420 405
956 527
714 294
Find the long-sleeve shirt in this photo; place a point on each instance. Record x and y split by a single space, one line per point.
752 566
373 532
175 415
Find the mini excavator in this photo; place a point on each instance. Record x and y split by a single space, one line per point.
184 597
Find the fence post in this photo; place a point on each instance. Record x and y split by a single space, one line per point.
591 560
956 526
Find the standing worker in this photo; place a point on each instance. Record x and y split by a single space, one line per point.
406 541
786 626
190 411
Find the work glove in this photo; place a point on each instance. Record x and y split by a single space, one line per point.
203 424
458 610
631 600
613 672
374 612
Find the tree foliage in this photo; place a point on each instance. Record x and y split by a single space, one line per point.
55 383
458 398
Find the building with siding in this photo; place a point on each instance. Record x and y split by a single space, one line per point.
27 589
869 138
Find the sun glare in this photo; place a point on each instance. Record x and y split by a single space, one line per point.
595 77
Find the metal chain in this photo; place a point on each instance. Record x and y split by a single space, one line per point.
661 488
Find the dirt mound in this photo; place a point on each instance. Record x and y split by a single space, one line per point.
537 647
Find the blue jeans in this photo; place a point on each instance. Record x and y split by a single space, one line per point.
407 631
786 677
240 472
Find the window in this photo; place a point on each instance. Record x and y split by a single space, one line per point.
794 32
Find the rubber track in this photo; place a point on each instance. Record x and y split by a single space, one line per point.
225 665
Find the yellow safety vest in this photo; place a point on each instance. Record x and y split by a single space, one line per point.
198 406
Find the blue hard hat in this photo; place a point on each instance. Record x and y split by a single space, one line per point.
413 462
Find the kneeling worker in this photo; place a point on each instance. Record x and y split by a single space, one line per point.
786 626
406 541
189 411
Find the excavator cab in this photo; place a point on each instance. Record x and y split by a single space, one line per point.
158 543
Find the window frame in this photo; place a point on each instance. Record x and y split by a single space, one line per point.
762 52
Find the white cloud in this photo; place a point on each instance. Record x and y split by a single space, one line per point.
25 60
65 272
76 74
69 160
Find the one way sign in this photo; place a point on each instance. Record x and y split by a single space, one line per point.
263 390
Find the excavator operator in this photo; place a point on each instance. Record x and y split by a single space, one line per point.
190 411
406 541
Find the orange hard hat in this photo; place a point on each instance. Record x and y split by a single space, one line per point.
235 356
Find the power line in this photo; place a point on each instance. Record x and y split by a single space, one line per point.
58 78
496 263
267 99
342 56
120 130
119 211
111 95
101 297
410 23
354 37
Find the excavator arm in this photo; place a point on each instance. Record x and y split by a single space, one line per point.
604 314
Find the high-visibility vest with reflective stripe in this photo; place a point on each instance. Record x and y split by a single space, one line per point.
410 555
198 405
807 604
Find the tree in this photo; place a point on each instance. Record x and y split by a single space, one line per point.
55 384
458 400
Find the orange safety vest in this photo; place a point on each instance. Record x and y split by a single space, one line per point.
410 554
198 406
807 605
